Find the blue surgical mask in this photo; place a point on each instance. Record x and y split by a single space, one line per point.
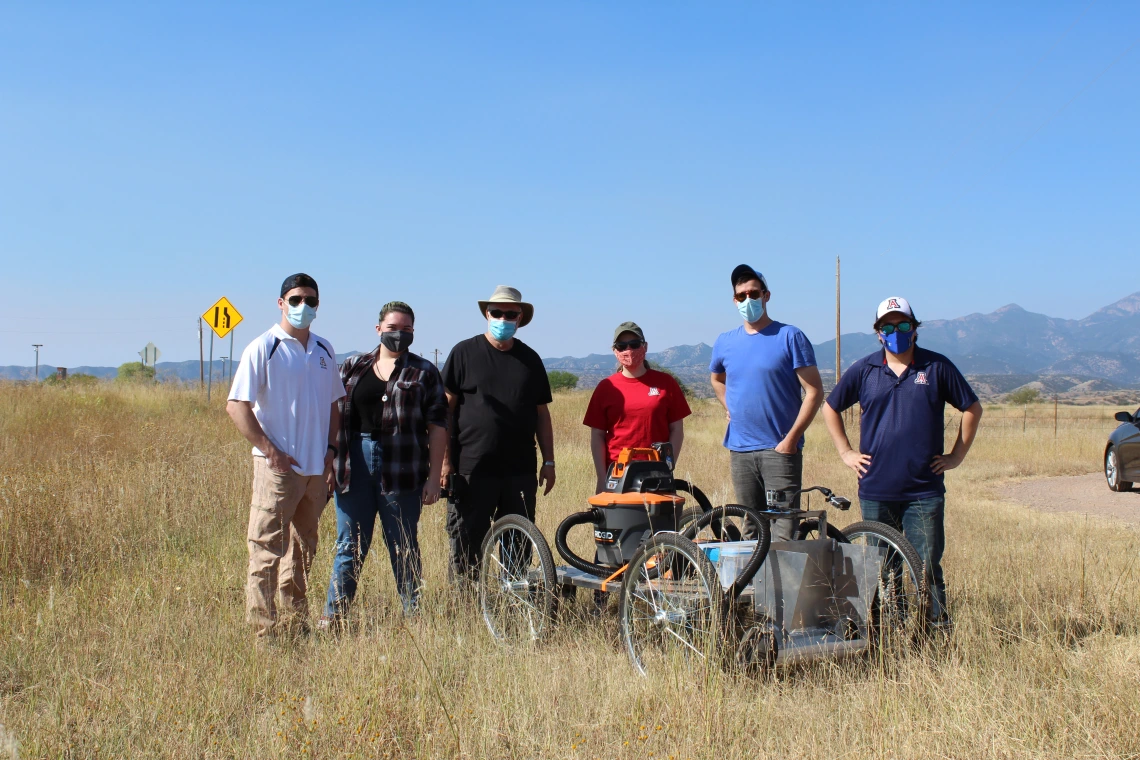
898 342
301 315
751 310
502 329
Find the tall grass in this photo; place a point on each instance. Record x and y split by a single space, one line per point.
122 560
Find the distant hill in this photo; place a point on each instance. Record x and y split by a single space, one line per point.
999 351
1011 340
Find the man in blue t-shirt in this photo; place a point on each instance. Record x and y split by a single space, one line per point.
758 370
902 391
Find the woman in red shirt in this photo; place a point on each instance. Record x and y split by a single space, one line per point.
635 407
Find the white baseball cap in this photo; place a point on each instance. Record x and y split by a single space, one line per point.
895 303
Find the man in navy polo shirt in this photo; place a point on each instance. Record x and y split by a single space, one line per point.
902 391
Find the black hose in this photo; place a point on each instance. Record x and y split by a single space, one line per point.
687 487
763 542
579 518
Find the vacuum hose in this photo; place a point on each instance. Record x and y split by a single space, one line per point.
687 487
763 542
579 518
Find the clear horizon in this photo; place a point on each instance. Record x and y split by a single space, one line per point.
611 162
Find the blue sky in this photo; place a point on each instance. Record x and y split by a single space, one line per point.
613 161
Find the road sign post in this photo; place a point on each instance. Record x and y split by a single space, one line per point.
150 355
210 370
222 318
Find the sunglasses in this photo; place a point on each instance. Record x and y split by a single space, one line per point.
310 301
753 294
900 327
510 316
625 345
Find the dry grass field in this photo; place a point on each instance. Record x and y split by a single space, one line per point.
122 559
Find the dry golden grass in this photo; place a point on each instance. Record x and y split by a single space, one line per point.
122 560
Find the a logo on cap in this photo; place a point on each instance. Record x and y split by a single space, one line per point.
892 303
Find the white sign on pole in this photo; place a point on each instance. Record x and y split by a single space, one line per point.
150 354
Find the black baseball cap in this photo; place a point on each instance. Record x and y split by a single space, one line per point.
744 273
299 280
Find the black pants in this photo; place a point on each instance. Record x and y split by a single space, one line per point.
486 499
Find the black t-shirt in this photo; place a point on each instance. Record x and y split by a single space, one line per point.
499 394
368 403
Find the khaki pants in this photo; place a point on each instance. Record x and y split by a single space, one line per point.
282 537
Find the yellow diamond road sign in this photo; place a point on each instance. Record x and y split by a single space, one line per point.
222 317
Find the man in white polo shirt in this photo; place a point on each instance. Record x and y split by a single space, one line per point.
284 401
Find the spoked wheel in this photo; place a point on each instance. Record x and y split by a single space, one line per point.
902 599
1112 471
672 606
517 581
721 529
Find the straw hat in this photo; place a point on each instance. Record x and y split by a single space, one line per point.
507 294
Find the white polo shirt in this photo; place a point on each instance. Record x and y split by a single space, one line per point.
292 388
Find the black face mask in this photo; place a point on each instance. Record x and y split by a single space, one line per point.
396 341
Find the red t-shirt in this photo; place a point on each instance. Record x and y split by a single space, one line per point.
635 412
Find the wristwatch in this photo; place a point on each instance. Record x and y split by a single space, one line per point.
548 463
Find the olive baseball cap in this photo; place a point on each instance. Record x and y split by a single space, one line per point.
628 327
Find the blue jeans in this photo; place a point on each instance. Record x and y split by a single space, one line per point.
921 522
356 512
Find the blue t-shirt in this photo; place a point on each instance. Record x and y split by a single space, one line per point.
762 390
903 421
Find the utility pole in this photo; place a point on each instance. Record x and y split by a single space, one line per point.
201 358
437 358
37 346
837 352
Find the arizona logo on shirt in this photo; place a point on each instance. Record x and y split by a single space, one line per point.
323 365
654 392
920 379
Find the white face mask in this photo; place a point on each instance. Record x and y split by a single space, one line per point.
301 315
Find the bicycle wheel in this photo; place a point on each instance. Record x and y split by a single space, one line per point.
808 530
516 581
675 615
721 529
902 600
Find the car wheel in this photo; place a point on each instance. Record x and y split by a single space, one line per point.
1112 471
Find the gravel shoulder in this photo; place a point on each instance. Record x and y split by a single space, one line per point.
1079 494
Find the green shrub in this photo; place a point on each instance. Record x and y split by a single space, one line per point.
1023 396
135 372
561 380
79 378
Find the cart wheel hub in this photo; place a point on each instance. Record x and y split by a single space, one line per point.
665 618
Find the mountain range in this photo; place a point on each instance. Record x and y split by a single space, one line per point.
999 351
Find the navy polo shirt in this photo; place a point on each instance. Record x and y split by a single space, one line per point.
903 421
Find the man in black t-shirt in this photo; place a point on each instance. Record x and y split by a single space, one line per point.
497 392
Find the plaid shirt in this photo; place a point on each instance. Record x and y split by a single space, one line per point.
415 401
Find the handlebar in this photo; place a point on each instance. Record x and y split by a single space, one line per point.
782 499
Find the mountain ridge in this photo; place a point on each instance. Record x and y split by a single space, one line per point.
1006 343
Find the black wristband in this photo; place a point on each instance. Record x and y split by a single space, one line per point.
335 451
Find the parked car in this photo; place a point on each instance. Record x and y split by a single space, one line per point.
1122 454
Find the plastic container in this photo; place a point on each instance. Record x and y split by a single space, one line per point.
729 558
